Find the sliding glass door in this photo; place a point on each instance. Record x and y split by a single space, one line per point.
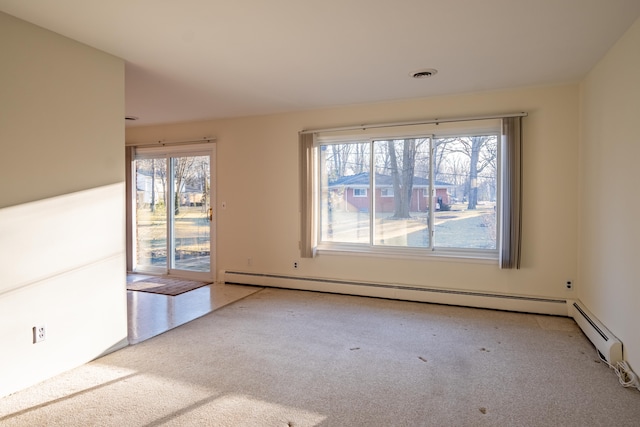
174 217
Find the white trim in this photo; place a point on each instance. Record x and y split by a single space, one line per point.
432 192
408 252
414 252
433 132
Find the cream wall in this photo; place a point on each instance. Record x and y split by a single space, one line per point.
609 204
61 203
258 179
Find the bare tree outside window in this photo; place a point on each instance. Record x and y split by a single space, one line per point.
402 156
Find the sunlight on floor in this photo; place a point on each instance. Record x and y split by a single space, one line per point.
155 400
85 379
235 409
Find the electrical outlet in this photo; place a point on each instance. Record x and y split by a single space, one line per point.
39 333
295 265
569 285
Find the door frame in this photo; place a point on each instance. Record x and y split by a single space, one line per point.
204 148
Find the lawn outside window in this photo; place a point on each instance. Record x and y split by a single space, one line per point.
421 194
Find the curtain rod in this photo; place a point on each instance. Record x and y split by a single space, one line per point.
162 143
412 123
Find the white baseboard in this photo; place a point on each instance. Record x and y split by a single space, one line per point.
518 303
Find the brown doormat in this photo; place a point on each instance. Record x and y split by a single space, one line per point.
165 286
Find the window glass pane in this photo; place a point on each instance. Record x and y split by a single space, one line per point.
190 220
151 213
401 201
465 170
344 192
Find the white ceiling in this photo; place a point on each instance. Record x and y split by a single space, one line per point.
203 59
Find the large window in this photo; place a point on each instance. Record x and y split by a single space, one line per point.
394 192
428 188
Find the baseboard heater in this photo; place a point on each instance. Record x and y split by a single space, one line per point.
609 347
518 303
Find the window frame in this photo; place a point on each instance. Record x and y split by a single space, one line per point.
168 152
384 192
406 252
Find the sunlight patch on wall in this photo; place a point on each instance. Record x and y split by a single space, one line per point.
42 239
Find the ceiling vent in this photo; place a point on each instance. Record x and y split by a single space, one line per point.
423 74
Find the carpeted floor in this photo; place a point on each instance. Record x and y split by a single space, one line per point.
292 358
164 285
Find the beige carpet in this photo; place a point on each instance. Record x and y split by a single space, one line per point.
165 285
291 358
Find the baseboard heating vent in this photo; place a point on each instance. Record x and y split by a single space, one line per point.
609 347
519 303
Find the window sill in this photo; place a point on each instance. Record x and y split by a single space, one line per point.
442 254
